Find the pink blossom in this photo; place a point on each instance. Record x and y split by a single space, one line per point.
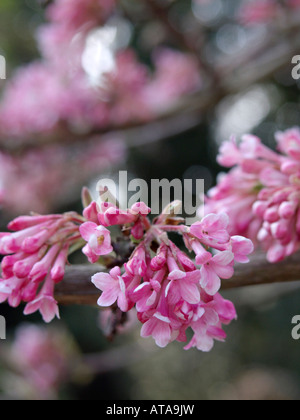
91 212
218 267
293 4
170 293
113 288
41 358
146 294
186 288
175 74
137 265
39 249
212 230
202 256
261 195
99 241
160 259
289 142
159 327
235 195
59 265
76 13
111 216
241 248
47 306
258 11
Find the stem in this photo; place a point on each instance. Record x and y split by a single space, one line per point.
80 243
78 289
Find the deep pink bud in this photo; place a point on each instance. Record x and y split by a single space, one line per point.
159 261
202 256
287 209
91 212
23 267
137 230
43 233
24 222
137 264
58 269
41 269
271 214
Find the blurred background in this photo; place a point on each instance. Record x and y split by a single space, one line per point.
152 87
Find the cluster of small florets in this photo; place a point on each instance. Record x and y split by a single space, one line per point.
36 257
261 194
172 290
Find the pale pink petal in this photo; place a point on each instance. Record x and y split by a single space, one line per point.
92 257
108 297
215 222
162 334
123 302
223 258
224 271
87 230
173 293
115 273
152 299
217 333
49 310
103 281
142 290
189 292
210 281
159 327
176 275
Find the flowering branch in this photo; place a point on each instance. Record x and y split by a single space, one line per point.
170 291
77 289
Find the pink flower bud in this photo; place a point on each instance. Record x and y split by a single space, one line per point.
59 267
287 209
24 222
41 268
271 214
159 261
91 212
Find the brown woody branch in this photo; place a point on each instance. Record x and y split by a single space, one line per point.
78 289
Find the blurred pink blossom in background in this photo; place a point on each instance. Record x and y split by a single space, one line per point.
41 360
61 100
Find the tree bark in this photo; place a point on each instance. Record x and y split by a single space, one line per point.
78 289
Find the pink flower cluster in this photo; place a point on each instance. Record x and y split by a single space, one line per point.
128 94
52 101
44 183
80 14
41 360
261 194
36 254
170 292
263 11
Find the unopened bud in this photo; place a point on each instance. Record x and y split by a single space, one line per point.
173 209
86 197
